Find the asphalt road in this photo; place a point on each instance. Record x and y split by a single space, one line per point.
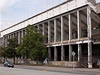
17 71
40 70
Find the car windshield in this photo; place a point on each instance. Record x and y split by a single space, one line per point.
8 62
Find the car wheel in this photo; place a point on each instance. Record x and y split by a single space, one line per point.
4 65
12 66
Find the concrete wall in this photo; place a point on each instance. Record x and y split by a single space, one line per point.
64 63
98 7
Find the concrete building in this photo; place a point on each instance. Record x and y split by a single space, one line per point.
98 8
71 26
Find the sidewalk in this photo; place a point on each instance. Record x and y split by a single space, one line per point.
65 70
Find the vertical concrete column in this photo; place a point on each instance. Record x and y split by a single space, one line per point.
21 36
43 29
21 33
89 36
12 35
78 25
89 55
55 53
38 27
79 36
55 30
62 29
18 37
79 53
49 32
70 28
62 36
9 36
5 40
70 37
89 29
70 52
24 31
49 53
16 34
62 53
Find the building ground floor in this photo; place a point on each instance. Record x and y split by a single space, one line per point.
86 55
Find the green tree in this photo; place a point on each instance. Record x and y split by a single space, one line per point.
2 52
32 45
11 48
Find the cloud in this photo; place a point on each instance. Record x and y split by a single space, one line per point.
5 4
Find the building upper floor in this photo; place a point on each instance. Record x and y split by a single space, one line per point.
67 6
98 8
74 26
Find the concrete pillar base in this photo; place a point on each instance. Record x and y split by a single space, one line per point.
90 65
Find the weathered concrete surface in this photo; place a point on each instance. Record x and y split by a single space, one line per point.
98 7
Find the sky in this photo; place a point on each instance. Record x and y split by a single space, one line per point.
14 11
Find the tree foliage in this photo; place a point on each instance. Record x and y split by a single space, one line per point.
32 44
11 47
10 50
2 52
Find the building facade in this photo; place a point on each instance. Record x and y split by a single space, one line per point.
71 26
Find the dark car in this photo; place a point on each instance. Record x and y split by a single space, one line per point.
8 64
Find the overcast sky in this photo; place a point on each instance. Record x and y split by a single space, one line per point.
14 11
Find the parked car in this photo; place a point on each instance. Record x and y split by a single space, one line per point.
8 64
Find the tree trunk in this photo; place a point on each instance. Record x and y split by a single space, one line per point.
4 60
14 60
37 62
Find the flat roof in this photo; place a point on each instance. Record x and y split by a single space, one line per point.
37 15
